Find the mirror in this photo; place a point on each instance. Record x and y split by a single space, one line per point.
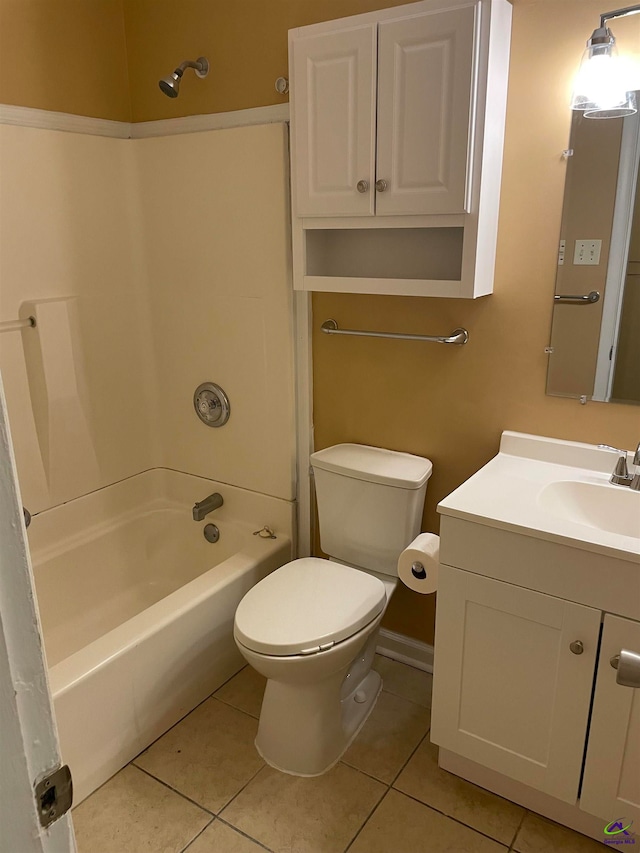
595 334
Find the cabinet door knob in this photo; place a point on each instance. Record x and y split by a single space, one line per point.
628 665
362 186
381 185
576 647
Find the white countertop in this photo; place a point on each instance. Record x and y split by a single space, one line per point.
506 493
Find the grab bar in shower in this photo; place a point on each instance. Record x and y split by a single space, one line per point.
14 325
458 336
587 299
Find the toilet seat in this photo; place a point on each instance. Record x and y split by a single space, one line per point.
307 606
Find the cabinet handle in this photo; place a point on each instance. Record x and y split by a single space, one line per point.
362 186
628 665
381 185
577 647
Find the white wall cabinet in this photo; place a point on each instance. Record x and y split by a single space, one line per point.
513 680
397 121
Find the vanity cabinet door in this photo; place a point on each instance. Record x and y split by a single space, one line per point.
611 784
425 66
512 680
333 122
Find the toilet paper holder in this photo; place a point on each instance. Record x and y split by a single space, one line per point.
418 571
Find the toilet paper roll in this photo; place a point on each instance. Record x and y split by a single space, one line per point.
419 563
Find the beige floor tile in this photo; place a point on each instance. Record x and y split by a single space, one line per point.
209 756
405 681
133 813
245 691
538 835
394 728
291 814
401 825
486 812
220 838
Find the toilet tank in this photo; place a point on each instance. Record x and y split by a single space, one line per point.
370 503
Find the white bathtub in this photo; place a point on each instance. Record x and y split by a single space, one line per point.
137 608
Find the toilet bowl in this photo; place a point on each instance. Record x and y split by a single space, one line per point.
312 633
311 626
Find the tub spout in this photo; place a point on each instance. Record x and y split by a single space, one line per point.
203 508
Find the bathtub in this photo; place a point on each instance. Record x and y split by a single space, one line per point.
137 608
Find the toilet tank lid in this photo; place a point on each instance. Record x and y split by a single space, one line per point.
375 464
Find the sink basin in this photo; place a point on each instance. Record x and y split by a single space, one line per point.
615 509
554 490
543 515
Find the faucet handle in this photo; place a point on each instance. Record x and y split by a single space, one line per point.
621 475
636 455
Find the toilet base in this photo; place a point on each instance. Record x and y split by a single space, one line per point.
320 750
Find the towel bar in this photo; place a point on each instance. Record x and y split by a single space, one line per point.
457 337
13 325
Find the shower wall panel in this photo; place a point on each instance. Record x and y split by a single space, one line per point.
70 227
216 242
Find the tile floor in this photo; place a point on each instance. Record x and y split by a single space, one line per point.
202 788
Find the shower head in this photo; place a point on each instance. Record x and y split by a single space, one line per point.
170 85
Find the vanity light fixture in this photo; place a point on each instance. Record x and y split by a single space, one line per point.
602 88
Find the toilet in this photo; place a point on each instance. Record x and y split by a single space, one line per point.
310 627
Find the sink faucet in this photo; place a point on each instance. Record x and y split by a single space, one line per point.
635 483
203 508
621 475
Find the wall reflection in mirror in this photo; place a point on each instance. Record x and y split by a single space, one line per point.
595 342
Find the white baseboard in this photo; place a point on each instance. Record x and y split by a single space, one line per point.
405 649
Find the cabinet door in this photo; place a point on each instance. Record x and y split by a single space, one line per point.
333 121
425 71
611 785
509 693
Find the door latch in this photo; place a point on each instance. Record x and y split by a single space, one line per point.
54 795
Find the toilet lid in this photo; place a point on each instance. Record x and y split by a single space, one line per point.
307 606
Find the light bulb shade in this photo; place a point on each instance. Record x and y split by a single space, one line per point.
628 108
602 87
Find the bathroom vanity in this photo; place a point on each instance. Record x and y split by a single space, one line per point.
539 597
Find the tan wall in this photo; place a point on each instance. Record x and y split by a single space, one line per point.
452 404
65 55
245 42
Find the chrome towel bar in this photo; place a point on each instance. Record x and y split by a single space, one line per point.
587 299
13 325
458 336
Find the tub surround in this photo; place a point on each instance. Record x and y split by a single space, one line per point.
137 607
181 297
